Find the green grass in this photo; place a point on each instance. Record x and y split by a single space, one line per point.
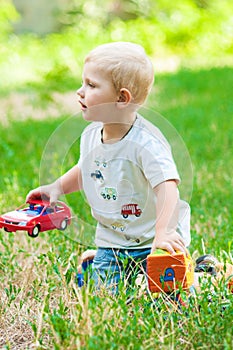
40 303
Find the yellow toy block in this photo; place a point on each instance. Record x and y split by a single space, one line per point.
168 272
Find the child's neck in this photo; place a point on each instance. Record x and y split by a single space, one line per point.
115 132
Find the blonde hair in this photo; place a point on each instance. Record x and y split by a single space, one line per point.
128 66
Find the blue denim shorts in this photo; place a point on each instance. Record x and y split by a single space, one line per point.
112 266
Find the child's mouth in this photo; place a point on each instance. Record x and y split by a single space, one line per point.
83 106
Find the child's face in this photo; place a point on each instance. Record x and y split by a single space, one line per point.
97 95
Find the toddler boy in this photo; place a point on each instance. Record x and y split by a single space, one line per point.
126 168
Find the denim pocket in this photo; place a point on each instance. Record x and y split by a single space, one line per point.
101 254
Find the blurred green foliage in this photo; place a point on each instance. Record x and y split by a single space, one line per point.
200 29
8 14
183 26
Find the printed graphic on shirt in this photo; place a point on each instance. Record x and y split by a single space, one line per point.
130 209
101 163
118 226
109 193
97 175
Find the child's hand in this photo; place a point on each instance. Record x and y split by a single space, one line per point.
70 182
48 192
170 242
88 255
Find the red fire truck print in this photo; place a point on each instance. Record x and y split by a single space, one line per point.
130 209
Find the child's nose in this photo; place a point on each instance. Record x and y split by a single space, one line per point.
80 92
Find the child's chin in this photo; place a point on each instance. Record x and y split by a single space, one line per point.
90 117
86 115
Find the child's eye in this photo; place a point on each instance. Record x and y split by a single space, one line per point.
91 85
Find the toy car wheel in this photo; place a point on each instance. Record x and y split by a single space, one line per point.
6 229
63 225
35 231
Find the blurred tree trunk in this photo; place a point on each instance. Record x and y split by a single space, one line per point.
40 16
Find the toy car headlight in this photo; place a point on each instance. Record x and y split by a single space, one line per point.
23 223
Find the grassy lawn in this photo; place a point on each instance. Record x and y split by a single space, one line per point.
41 307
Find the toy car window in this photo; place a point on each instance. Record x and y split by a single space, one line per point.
58 208
49 210
31 212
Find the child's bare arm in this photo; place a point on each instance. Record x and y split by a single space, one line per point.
67 183
167 210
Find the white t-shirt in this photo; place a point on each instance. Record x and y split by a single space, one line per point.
118 181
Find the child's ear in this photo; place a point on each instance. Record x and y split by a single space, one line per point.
125 97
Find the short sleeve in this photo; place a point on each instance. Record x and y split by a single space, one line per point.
157 162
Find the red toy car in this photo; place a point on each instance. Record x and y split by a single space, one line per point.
36 217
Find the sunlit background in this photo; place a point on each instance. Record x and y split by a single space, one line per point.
43 41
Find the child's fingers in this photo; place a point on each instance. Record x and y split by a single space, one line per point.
34 194
173 246
88 255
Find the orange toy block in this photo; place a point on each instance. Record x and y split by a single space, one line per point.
168 272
